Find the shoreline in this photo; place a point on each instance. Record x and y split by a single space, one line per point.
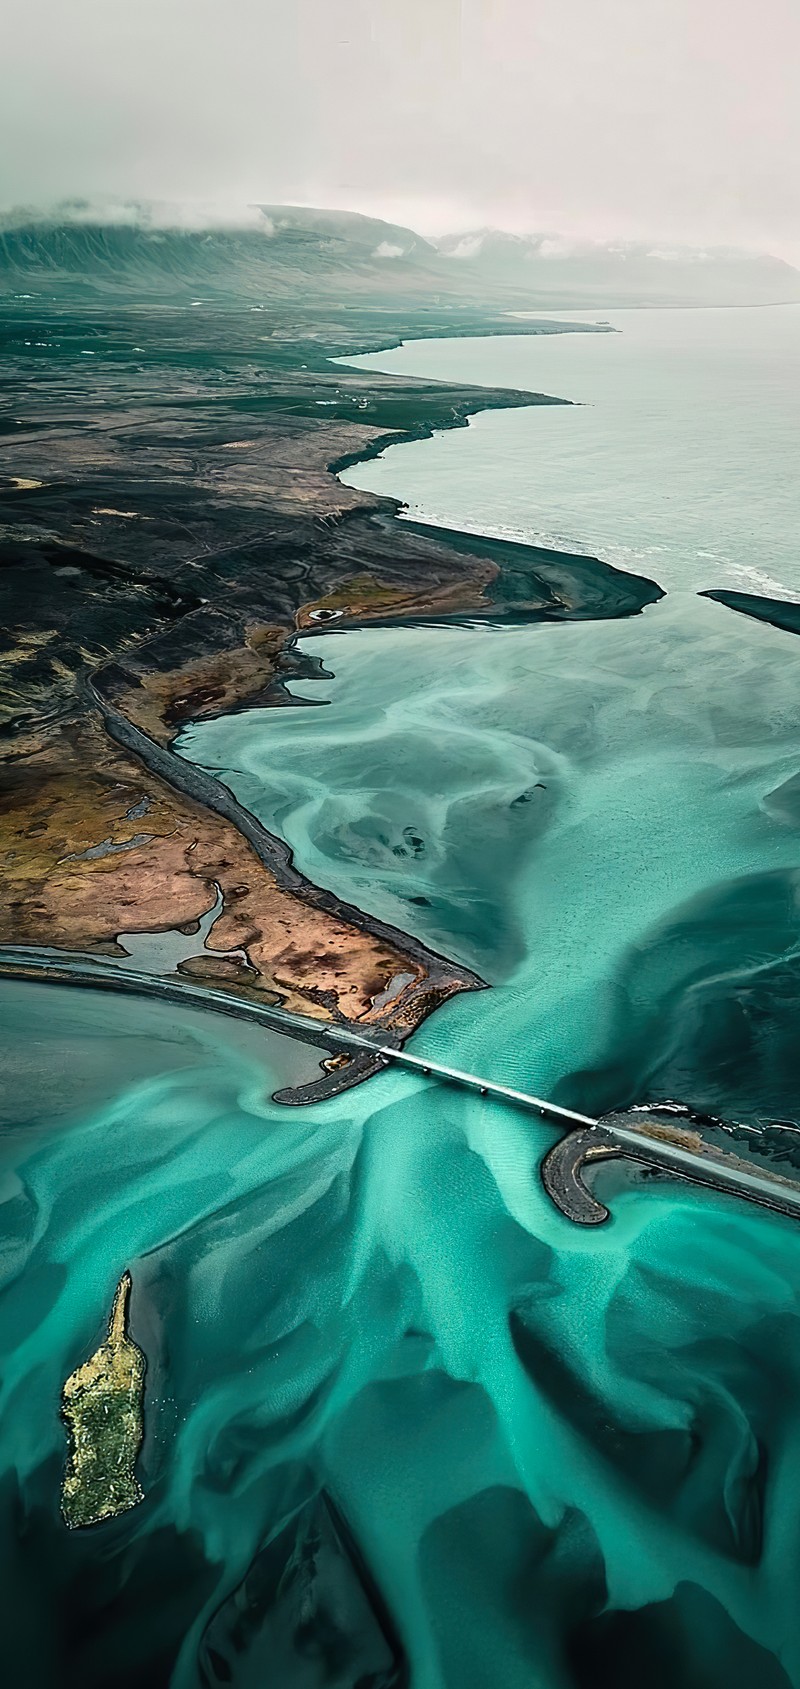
89 973
602 590
371 530
525 480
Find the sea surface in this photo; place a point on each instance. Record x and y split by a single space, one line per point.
405 1422
679 458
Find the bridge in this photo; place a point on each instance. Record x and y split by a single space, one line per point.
484 1087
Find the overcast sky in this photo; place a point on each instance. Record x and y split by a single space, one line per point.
667 119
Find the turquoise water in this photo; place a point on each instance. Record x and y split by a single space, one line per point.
403 1420
560 1463
568 802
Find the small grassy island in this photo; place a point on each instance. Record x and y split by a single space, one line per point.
101 1407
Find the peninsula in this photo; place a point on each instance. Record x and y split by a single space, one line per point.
171 521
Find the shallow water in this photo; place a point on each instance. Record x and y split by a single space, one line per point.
564 1458
402 1416
560 806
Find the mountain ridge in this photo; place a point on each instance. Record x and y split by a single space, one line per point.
329 254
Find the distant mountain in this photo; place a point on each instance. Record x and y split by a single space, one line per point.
333 233
630 273
308 256
284 252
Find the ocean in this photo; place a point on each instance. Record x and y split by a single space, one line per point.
678 458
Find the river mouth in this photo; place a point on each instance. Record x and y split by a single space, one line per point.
558 803
561 1393
389 1385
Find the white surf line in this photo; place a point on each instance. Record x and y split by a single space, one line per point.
484 1087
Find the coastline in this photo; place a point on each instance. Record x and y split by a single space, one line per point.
602 476
206 656
443 574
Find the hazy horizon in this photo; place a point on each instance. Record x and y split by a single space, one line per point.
660 121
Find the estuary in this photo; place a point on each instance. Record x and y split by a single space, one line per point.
402 1420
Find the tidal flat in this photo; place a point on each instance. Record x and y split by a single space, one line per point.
402 1421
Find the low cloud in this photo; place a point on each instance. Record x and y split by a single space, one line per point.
188 215
468 247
